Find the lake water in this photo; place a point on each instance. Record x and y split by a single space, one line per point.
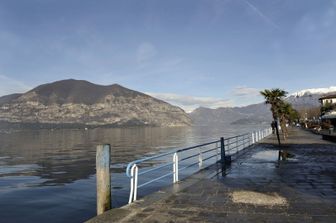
49 175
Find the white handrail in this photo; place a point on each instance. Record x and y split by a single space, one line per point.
240 143
131 185
134 184
200 160
175 168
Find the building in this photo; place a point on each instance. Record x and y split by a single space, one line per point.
328 110
329 99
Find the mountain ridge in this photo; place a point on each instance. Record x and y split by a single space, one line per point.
80 102
259 113
320 91
250 114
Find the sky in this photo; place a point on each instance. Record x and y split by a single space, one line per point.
211 53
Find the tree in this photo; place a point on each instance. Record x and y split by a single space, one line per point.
309 113
287 114
274 97
327 107
294 116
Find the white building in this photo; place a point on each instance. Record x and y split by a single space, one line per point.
329 99
330 114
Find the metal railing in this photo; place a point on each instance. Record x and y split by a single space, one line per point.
173 162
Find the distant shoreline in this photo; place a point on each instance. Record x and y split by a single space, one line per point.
21 125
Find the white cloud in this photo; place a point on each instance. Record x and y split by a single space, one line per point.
189 103
10 86
242 96
245 92
145 52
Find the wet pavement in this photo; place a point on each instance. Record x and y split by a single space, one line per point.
255 188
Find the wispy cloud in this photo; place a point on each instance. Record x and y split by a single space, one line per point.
242 96
189 103
10 86
242 91
261 14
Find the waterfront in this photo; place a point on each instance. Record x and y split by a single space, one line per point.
48 173
256 188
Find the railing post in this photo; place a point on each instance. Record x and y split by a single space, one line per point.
130 200
222 151
175 168
217 152
103 155
245 141
200 160
252 137
134 184
222 156
259 135
237 138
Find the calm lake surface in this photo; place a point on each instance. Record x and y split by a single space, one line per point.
49 175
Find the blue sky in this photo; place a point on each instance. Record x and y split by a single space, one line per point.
190 52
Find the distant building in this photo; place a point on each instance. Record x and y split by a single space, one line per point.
328 110
329 99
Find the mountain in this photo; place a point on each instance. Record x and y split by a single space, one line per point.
308 98
72 103
316 91
304 101
8 98
258 113
251 114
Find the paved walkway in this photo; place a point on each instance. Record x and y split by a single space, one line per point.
257 188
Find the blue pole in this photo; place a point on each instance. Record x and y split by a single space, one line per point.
222 151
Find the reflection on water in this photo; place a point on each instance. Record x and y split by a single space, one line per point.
49 175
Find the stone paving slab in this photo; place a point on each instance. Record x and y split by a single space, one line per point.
305 185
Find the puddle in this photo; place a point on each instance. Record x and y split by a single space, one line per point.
268 155
257 198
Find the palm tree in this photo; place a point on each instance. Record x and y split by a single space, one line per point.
285 112
274 97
